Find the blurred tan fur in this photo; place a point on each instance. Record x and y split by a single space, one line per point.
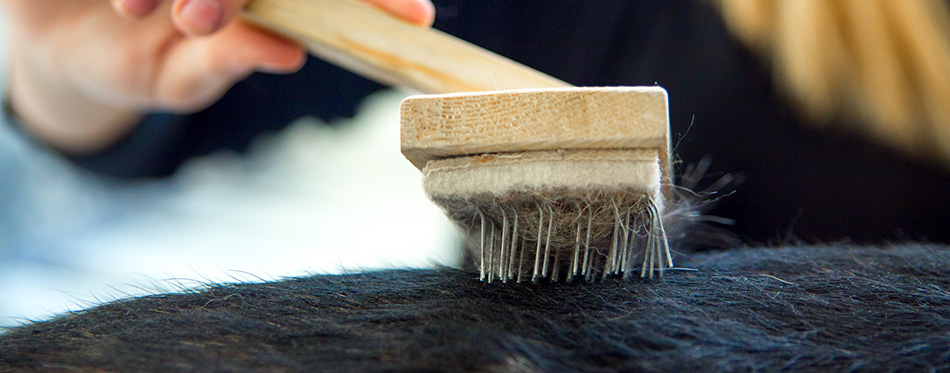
882 64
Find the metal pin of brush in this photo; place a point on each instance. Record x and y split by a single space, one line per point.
545 180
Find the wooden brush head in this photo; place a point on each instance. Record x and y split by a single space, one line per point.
518 121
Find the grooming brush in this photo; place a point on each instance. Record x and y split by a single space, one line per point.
546 181
554 183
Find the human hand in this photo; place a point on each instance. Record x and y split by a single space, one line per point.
83 71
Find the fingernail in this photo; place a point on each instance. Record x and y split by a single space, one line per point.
202 16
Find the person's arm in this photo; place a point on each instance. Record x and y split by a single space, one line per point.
84 72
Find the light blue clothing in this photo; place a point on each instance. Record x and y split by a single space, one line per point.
44 198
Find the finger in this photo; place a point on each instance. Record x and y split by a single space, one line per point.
204 17
203 69
420 12
135 8
243 46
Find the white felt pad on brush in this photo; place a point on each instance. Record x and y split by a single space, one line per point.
499 174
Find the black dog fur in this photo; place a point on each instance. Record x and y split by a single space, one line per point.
812 308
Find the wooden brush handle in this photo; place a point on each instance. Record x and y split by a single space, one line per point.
371 42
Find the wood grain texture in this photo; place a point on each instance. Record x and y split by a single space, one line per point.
439 126
375 44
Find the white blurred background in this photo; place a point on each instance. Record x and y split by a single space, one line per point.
312 199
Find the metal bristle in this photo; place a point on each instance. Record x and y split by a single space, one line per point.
505 248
